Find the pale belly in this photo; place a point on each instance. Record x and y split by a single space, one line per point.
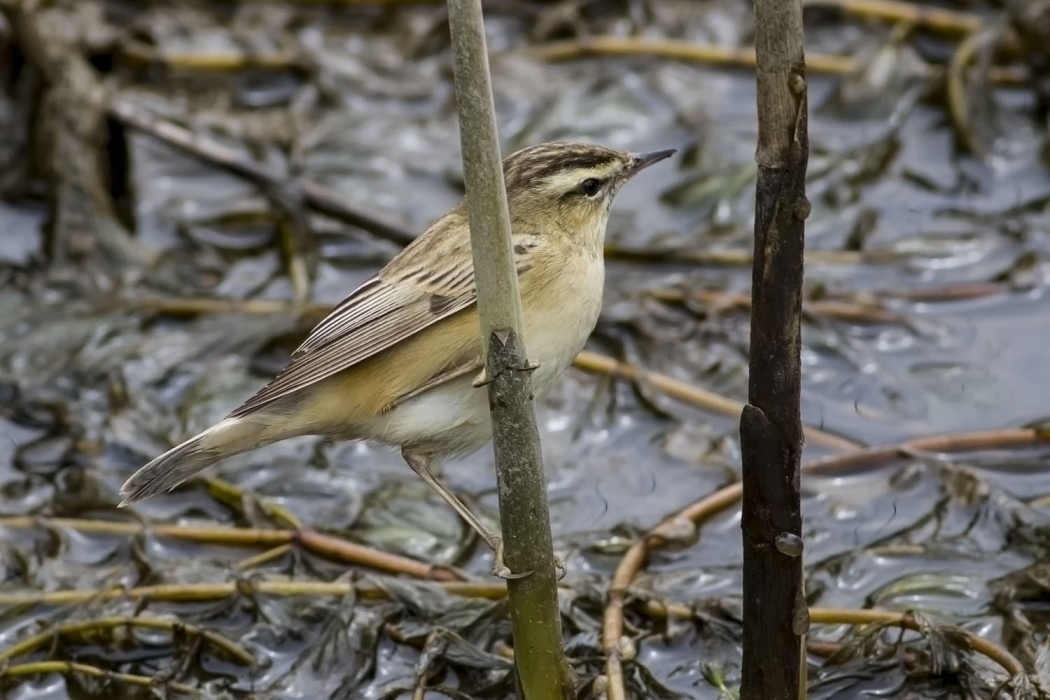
453 418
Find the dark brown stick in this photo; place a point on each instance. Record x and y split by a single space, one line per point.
775 612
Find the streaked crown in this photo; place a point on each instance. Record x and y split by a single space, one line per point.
572 173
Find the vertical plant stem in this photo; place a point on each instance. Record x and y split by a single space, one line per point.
775 613
524 512
494 271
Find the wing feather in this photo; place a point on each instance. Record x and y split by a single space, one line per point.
359 328
406 297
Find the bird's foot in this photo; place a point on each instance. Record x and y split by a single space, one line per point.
484 378
499 568
560 569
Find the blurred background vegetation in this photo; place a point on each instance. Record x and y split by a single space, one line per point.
186 186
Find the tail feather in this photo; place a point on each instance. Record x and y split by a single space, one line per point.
225 439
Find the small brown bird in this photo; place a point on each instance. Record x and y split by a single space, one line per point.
395 362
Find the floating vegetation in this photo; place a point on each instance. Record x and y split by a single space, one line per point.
186 188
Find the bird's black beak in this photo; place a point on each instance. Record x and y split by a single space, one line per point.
641 161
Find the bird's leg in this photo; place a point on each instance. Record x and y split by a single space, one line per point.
421 465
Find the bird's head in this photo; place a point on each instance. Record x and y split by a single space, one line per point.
569 187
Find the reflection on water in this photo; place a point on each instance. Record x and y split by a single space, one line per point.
94 382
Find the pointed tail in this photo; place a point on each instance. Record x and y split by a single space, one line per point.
225 439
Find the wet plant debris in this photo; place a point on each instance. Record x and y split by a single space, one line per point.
186 188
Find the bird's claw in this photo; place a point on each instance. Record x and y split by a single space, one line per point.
483 377
500 569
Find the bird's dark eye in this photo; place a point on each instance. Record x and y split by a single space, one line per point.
590 186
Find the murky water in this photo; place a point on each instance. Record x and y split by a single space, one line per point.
94 381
